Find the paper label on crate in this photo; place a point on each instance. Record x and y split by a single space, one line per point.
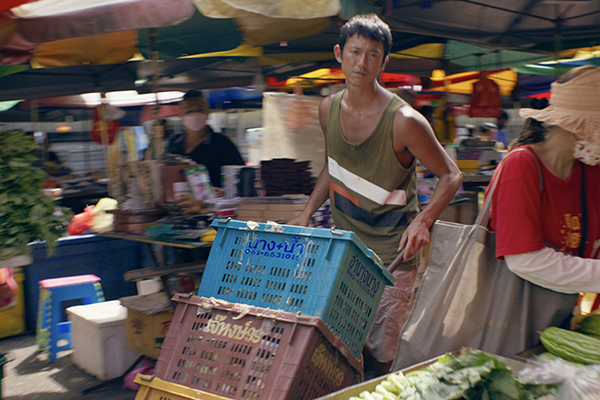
219 326
363 277
324 361
291 249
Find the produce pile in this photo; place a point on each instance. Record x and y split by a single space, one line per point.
570 370
471 376
26 213
582 348
572 362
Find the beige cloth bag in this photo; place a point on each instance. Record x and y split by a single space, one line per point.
468 298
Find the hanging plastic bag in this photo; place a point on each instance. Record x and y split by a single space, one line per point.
102 221
128 382
8 287
578 382
81 222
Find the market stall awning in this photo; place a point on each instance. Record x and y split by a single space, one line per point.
26 28
323 77
535 26
249 43
462 83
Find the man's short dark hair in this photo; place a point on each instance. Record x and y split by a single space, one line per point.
369 26
192 94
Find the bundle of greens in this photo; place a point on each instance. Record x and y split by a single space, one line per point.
472 376
26 214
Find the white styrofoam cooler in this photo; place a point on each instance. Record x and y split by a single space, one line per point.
99 339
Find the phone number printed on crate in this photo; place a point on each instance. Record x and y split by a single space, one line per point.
273 249
363 277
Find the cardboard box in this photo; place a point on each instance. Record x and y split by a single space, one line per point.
286 207
134 221
251 214
266 215
257 207
146 332
170 175
148 320
273 208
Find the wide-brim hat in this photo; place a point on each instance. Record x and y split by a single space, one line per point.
574 106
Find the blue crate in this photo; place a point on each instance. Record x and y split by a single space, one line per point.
325 273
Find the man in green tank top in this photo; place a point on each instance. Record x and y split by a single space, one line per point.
373 140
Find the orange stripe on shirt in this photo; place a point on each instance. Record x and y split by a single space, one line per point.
334 188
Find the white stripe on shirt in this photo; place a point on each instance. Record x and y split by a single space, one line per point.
365 188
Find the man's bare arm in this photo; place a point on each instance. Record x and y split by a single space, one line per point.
413 133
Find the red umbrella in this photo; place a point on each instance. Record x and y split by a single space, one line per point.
49 20
23 28
8 4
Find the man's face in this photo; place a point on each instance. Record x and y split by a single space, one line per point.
193 105
362 59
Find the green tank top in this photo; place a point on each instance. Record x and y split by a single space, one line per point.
370 192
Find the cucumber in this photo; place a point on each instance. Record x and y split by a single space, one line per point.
591 325
571 346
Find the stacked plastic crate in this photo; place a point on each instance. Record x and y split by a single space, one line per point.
282 313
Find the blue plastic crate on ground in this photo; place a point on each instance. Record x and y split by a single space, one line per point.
325 273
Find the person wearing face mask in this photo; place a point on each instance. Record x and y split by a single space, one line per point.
199 142
545 232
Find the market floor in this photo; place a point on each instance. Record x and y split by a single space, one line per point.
28 377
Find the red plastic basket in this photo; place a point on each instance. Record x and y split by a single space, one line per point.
243 352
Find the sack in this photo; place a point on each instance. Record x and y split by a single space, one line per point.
468 298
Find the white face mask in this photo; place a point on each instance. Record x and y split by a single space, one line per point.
194 121
586 152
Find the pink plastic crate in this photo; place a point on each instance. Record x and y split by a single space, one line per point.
244 352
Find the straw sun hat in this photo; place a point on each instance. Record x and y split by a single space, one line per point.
574 106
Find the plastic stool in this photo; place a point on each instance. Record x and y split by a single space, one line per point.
52 334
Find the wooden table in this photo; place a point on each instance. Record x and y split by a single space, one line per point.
151 240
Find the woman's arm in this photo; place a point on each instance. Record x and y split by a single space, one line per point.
557 271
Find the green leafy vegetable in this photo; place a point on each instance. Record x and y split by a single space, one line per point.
26 213
472 376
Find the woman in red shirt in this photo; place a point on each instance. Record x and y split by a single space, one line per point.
539 229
